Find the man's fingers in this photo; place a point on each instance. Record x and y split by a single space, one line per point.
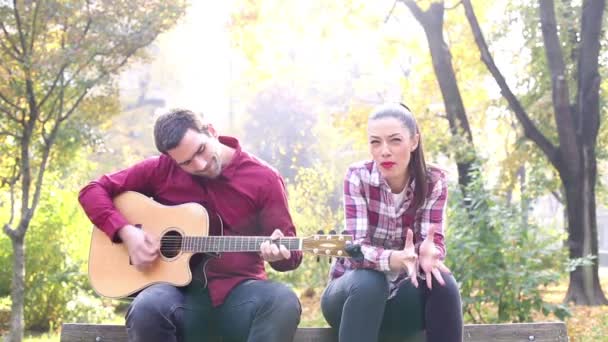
429 280
264 247
274 250
277 234
284 252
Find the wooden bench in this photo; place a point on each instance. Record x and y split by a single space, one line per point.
538 332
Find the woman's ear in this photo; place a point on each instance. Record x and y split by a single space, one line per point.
415 141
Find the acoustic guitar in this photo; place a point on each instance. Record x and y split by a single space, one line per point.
183 231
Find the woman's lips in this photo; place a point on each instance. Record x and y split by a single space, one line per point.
387 165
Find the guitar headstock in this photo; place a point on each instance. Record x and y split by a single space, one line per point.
328 245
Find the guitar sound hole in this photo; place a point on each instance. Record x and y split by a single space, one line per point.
171 244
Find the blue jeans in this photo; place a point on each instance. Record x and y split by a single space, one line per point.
255 310
355 304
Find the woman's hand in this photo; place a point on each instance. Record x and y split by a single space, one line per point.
429 260
405 260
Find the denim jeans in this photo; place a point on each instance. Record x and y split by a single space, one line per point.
355 304
254 311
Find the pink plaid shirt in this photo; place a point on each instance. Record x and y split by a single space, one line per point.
380 226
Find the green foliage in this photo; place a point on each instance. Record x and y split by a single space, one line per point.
57 287
501 261
313 200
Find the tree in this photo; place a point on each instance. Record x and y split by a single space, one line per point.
57 62
432 22
577 121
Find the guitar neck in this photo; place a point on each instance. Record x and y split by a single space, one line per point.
217 244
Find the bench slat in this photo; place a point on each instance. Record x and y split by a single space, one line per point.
516 332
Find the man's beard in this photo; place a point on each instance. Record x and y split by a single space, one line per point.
214 166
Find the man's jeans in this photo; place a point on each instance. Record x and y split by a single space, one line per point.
255 310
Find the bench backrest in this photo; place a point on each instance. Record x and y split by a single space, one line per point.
538 332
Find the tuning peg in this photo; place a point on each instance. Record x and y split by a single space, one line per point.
318 258
344 232
332 232
329 260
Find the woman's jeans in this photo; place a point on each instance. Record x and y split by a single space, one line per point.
356 305
255 310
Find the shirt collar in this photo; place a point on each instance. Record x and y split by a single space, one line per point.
229 170
376 179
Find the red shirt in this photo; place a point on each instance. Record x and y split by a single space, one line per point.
249 195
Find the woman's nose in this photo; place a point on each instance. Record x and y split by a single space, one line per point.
384 150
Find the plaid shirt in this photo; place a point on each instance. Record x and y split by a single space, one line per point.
380 226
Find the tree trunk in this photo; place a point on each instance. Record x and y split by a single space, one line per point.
584 287
577 128
432 23
17 289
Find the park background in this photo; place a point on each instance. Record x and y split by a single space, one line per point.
521 133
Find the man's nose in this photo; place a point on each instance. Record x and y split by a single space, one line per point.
199 163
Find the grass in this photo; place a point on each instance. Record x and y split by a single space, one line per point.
587 323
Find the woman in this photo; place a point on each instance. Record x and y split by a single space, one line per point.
394 206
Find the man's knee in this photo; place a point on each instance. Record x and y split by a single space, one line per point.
284 303
154 301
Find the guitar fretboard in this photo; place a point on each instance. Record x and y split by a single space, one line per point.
217 244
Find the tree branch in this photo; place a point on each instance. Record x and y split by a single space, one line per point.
41 171
34 22
20 29
9 134
390 12
10 41
416 11
5 99
449 8
587 99
530 130
564 119
8 51
48 94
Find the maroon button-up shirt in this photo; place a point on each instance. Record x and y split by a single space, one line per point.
249 196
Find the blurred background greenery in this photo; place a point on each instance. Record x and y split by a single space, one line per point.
295 81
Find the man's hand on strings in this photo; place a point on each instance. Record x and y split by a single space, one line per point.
270 251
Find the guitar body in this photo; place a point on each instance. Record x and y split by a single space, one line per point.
110 271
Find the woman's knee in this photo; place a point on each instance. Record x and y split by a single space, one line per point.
368 283
450 288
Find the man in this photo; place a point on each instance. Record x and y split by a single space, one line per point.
197 165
